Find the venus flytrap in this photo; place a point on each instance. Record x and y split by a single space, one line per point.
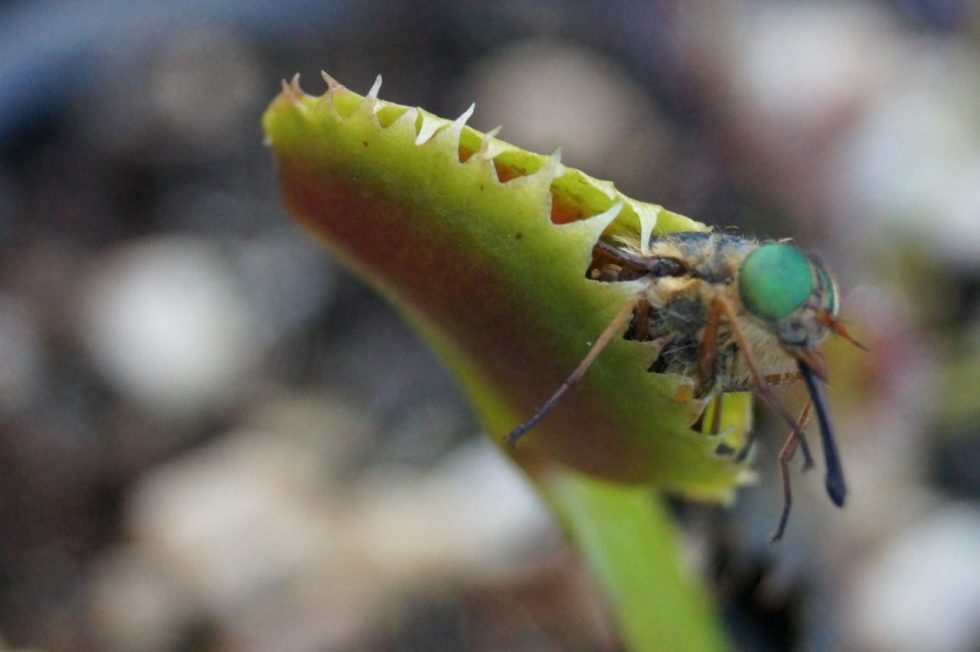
484 248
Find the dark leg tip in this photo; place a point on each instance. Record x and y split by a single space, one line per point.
517 433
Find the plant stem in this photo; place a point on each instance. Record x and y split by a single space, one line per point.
629 541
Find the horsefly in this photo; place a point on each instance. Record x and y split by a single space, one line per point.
733 314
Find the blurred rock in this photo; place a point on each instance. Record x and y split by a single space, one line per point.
921 591
166 324
254 532
785 82
473 514
235 519
205 82
385 368
911 169
137 604
798 69
20 350
5 648
191 97
331 432
287 279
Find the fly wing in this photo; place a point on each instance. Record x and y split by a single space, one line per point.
611 264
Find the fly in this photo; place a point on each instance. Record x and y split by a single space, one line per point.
732 314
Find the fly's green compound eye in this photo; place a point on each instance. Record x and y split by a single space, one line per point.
774 280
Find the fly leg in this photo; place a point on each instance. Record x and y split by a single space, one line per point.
716 415
707 354
708 351
779 379
640 328
785 457
721 306
604 338
715 406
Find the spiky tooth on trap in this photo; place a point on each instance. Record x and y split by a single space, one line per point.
555 158
294 84
430 125
465 116
332 84
371 102
372 95
551 169
648 222
289 91
485 143
597 224
450 134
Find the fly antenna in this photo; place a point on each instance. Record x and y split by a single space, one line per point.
833 324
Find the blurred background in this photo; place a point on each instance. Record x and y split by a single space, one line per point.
213 438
